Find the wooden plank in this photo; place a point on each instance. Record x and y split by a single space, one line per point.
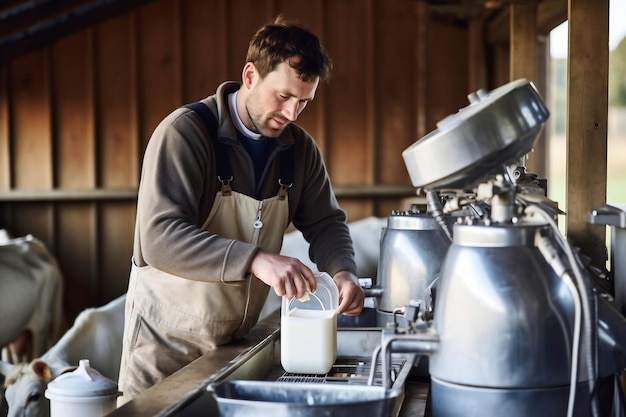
394 96
539 158
117 224
587 117
73 103
350 135
523 29
477 65
523 58
5 146
421 68
116 91
31 121
447 89
77 257
159 70
36 219
204 48
500 73
98 194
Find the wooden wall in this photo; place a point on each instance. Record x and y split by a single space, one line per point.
76 115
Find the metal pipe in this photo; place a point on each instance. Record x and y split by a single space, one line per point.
422 343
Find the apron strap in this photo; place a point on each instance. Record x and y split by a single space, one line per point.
224 170
286 171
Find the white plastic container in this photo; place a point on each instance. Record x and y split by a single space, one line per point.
82 393
308 334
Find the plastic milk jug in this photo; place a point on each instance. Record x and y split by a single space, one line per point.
308 329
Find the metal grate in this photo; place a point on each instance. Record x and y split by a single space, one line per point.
287 377
347 371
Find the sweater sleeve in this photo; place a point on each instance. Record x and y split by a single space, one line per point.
173 204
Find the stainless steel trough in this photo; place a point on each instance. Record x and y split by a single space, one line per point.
256 385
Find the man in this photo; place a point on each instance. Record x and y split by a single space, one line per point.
217 192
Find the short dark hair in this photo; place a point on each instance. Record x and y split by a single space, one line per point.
281 40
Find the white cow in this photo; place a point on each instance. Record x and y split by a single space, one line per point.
96 335
366 235
31 287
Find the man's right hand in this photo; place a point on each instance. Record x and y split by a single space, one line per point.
285 274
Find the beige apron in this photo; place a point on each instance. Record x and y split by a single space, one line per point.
171 321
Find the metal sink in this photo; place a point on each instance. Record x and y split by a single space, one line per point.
261 366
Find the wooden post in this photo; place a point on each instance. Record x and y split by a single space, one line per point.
587 115
421 66
476 70
523 59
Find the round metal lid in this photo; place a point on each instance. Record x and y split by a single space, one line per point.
497 128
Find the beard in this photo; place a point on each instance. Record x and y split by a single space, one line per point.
262 124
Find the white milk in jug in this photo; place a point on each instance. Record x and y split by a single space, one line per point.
308 334
308 341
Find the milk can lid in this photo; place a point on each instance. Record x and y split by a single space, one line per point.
325 297
83 382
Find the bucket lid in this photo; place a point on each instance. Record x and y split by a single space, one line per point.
83 382
324 298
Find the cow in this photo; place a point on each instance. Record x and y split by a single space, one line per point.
31 288
95 335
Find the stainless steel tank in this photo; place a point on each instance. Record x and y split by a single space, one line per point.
412 249
507 321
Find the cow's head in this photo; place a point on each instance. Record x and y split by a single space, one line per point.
25 386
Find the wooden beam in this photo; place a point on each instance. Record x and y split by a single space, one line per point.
550 14
60 26
421 68
7 5
5 143
477 63
587 115
523 34
21 20
524 64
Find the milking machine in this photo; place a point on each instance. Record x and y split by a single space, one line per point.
520 324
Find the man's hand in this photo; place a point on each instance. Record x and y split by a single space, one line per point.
285 274
351 295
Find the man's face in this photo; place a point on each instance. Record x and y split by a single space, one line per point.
276 100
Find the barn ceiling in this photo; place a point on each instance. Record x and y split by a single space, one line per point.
30 24
26 25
